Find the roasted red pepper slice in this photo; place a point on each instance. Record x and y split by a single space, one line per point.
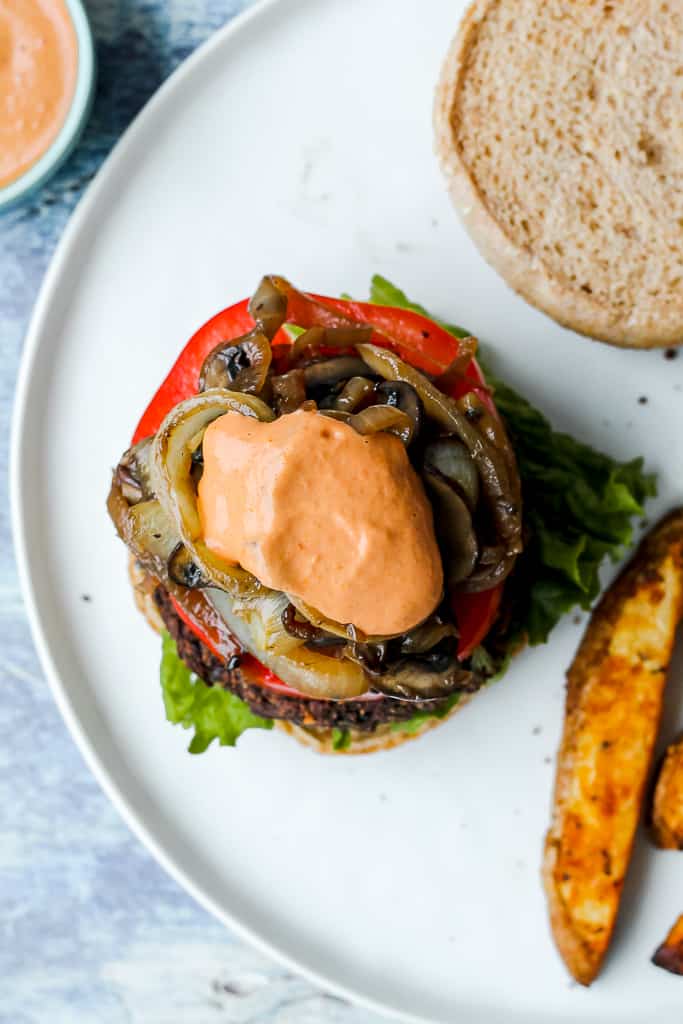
474 614
417 340
182 380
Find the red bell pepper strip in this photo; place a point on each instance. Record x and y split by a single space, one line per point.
182 379
419 341
474 614
213 642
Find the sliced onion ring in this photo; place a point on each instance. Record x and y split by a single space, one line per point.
268 307
404 397
354 392
316 338
346 631
146 529
307 671
134 472
176 439
467 350
386 418
328 372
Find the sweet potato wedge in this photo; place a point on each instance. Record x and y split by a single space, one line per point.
667 808
614 701
670 953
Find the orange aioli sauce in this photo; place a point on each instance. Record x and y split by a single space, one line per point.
38 69
312 508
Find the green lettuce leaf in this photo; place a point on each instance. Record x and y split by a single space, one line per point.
341 739
213 713
293 331
411 725
579 504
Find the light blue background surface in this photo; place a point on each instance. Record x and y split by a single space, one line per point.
91 929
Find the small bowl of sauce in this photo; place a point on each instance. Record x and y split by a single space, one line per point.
47 77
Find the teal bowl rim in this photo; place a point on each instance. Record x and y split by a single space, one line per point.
70 132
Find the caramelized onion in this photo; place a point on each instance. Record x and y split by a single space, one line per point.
336 414
404 397
268 307
130 487
467 349
383 417
492 428
308 671
179 435
355 391
330 371
319 621
134 472
145 528
345 631
262 615
306 631
317 338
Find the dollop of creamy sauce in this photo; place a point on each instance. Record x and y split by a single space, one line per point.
38 69
312 508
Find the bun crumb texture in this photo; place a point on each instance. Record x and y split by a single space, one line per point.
560 130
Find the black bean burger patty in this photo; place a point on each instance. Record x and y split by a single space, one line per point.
340 714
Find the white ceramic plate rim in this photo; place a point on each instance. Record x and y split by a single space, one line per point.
20 416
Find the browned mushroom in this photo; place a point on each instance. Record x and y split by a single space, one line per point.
240 365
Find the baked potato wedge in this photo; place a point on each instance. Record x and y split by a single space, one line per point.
667 808
670 953
614 701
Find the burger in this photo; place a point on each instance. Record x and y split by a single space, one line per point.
344 526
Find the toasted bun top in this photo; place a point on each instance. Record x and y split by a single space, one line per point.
559 129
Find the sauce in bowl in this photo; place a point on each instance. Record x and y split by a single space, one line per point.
38 72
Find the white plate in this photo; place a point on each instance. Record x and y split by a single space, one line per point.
299 141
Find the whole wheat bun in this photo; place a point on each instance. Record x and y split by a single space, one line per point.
559 129
320 740
143 593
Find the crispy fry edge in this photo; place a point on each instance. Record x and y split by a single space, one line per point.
582 957
667 815
670 953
